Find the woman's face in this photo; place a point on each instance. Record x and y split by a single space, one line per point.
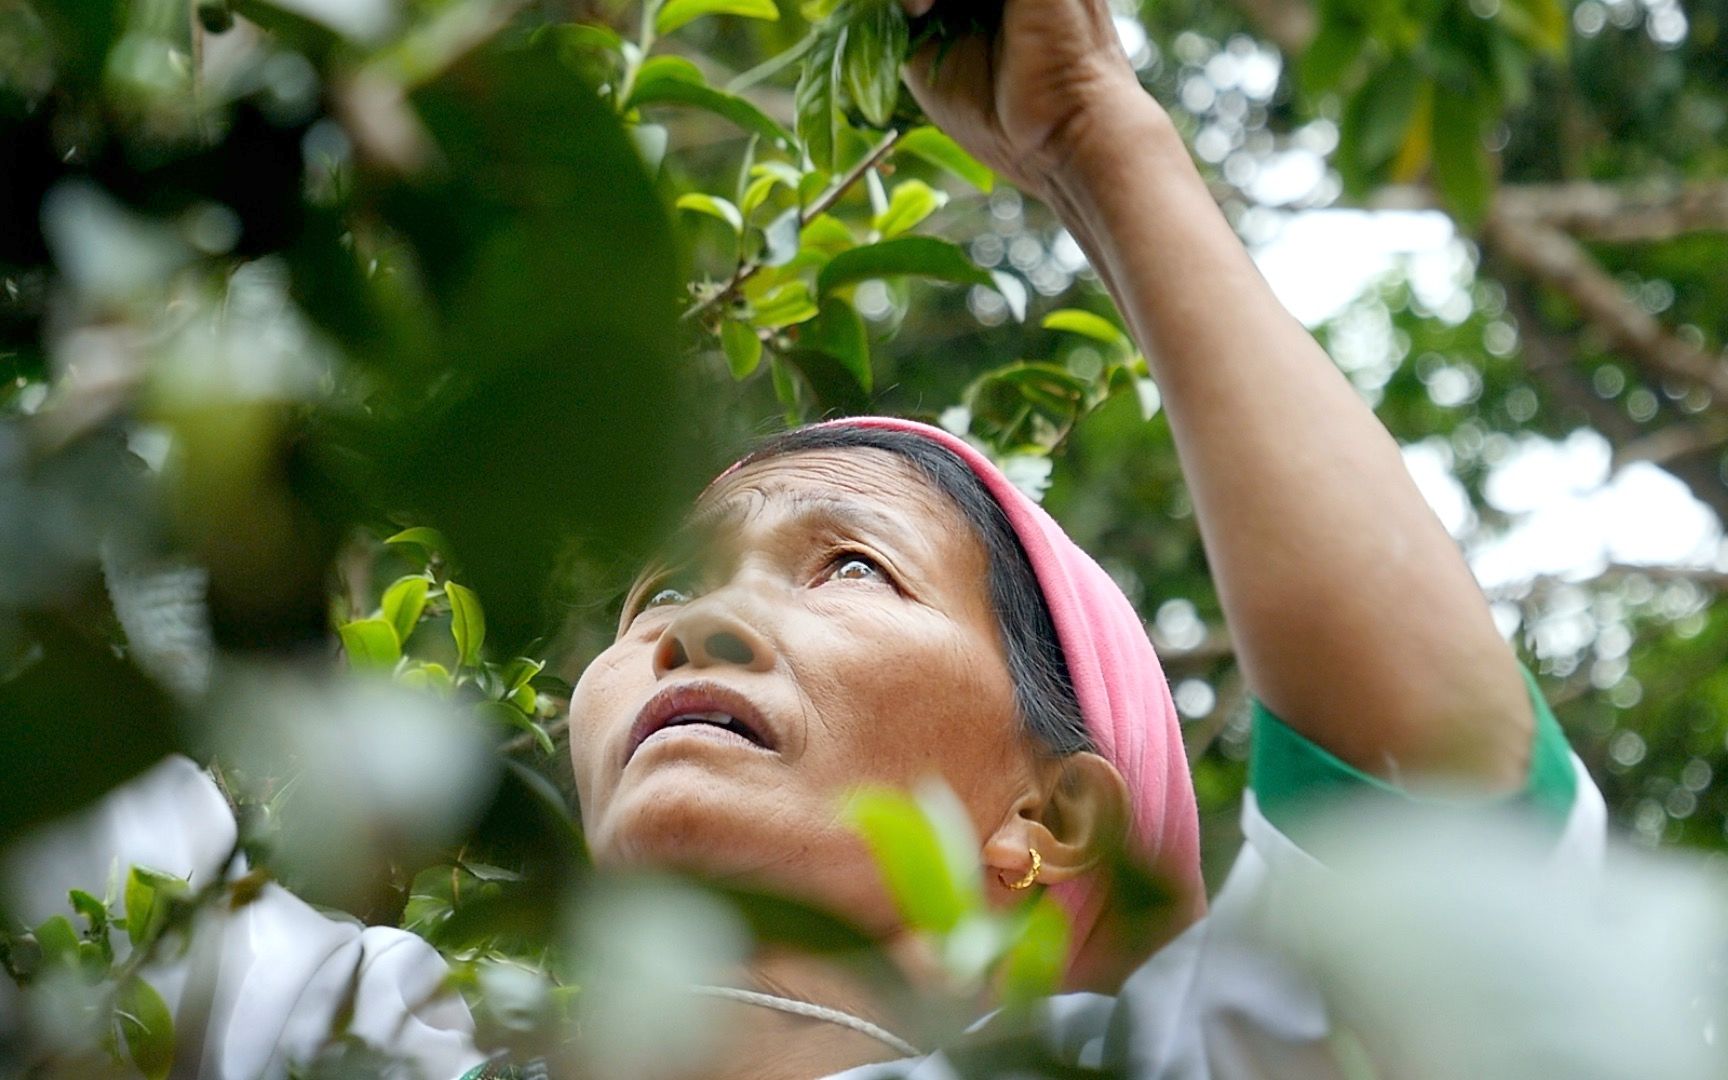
832 628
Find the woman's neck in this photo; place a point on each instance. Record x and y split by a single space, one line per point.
766 1044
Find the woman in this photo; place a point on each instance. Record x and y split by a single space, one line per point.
873 602
842 620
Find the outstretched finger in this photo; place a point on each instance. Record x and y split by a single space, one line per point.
916 8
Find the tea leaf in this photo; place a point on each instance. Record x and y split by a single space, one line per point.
816 99
147 1027
911 203
931 145
403 603
743 348
925 256
875 43
467 623
1086 324
370 643
679 13
714 206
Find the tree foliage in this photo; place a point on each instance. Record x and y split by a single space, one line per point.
381 338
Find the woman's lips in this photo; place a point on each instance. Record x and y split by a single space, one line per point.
704 704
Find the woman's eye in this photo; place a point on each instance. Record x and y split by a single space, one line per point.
667 596
856 568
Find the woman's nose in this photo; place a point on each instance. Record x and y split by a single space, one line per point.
708 635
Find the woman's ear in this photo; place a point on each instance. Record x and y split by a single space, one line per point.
1076 814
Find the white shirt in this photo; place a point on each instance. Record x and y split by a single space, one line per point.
1218 1001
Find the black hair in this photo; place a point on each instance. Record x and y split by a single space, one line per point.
1043 690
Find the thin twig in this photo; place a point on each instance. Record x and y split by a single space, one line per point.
822 205
1669 444
1600 213
1562 263
1526 588
1621 213
772 66
524 741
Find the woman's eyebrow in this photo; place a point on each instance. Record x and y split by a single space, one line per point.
709 522
851 515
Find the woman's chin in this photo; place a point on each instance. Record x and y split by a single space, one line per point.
742 836
691 821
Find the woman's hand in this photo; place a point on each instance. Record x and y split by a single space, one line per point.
1054 77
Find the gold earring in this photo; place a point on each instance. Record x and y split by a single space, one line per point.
1031 875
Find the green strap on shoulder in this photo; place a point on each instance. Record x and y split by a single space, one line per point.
1291 776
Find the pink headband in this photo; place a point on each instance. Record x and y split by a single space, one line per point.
1127 708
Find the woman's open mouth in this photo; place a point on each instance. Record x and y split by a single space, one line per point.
701 708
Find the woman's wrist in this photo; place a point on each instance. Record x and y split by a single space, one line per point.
1106 159
1116 124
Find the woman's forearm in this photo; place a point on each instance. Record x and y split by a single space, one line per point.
1354 615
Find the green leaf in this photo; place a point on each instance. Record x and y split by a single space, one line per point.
403 603
58 941
1381 113
1461 165
827 234
1540 24
510 716
370 643
875 42
714 206
433 677
93 961
777 170
467 623
756 194
524 698
674 86
788 304
933 146
1332 53
1037 959
431 541
811 184
538 237
665 69
147 1027
585 36
148 896
1086 324
922 255
519 672
785 389
678 13
743 348
815 100
839 332
1511 69
95 912
1417 149
815 11
909 855
64 748
911 203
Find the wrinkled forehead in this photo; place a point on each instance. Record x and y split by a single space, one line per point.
863 487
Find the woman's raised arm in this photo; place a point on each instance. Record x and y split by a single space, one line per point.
1354 615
